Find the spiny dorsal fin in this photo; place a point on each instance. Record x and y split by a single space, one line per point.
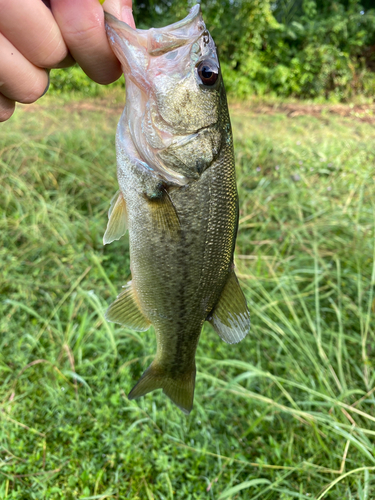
125 311
117 216
179 388
164 214
230 317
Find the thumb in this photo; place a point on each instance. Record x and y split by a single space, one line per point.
122 9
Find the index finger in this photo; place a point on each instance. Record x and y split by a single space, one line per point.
82 27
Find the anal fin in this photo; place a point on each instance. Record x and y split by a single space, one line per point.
126 311
179 388
230 317
117 219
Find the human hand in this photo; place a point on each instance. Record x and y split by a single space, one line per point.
36 38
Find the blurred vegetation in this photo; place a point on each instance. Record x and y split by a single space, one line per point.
291 48
288 413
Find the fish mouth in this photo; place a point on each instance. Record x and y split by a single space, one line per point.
157 41
157 63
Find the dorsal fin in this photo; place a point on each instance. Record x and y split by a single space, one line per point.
230 317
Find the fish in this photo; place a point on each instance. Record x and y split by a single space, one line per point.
177 199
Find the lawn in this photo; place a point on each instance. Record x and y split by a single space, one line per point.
287 413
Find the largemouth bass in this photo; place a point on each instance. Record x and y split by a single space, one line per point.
178 198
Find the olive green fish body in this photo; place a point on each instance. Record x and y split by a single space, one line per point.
178 194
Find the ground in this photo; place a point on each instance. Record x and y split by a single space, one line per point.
287 413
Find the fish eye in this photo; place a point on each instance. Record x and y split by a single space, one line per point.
208 73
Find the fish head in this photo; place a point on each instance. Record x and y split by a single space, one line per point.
174 91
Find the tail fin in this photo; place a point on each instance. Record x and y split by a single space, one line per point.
179 389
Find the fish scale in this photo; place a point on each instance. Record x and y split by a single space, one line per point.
178 200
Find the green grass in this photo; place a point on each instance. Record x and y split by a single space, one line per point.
287 413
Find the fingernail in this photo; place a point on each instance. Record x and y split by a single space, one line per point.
127 16
49 81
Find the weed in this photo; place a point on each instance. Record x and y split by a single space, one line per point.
287 413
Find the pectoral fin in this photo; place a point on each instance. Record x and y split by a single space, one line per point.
125 311
117 219
230 317
164 214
